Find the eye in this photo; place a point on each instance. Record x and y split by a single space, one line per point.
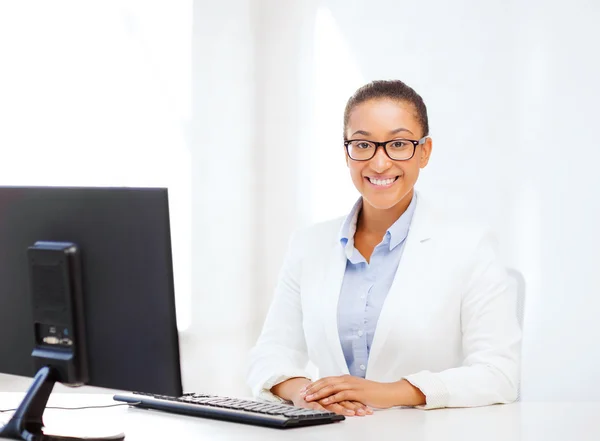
399 144
361 145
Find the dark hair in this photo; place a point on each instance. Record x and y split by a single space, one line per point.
388 89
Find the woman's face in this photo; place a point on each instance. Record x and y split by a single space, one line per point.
383 182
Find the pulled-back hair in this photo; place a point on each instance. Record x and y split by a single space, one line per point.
388 89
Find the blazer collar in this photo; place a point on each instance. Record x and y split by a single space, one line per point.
420 243
424 220
407 276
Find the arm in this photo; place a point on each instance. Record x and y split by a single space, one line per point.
491 341
288 389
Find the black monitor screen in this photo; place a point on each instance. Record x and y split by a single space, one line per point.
123 235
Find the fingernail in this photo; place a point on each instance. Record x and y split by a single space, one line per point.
350 412
309 397
361 411
326 400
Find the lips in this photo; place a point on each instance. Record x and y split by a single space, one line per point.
383 182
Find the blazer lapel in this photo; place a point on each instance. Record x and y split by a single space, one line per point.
332 285
408 277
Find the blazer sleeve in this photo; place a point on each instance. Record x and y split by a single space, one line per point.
491 340
280 352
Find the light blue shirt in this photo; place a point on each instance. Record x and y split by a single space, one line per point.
366 285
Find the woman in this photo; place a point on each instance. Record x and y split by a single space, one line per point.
395 304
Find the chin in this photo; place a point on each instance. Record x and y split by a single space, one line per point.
381 202
385 200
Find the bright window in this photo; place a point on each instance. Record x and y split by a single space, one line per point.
97 94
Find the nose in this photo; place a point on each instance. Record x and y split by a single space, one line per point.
381 161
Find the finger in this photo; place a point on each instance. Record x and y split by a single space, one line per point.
353 405
327 391
311 388
323 382
324 402
359 408
324 392
340 410
346 394
362 409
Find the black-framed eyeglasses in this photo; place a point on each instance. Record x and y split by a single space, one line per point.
398 149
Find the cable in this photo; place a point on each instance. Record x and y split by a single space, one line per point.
80 408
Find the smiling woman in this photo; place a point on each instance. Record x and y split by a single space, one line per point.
396 304
385 177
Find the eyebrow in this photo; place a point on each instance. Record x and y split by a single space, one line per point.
392 132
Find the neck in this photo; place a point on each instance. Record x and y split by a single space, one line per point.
375 221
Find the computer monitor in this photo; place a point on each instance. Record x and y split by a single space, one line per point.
86 293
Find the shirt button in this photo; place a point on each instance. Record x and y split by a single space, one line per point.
362 367
362 297
360 333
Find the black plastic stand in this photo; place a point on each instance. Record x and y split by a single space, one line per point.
26 424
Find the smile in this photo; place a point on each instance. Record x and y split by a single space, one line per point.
383 182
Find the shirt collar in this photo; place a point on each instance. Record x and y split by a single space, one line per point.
399 229
349 228
395 235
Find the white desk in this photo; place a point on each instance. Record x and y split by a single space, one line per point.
515 422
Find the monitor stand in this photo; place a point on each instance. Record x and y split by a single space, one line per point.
26 424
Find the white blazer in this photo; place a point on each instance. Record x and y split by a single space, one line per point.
448 325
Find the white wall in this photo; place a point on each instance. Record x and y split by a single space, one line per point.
226 195
562 355
283 99
511 89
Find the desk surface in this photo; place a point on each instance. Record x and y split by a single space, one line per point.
520 421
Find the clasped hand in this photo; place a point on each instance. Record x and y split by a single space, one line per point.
347 395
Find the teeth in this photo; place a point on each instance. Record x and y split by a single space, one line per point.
381 182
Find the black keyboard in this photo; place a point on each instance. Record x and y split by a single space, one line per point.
236 410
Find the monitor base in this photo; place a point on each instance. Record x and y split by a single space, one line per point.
27 423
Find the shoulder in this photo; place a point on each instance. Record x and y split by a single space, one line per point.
456 230
461 245
315 240
317 237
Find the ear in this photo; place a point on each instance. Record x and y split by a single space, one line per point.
425 153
